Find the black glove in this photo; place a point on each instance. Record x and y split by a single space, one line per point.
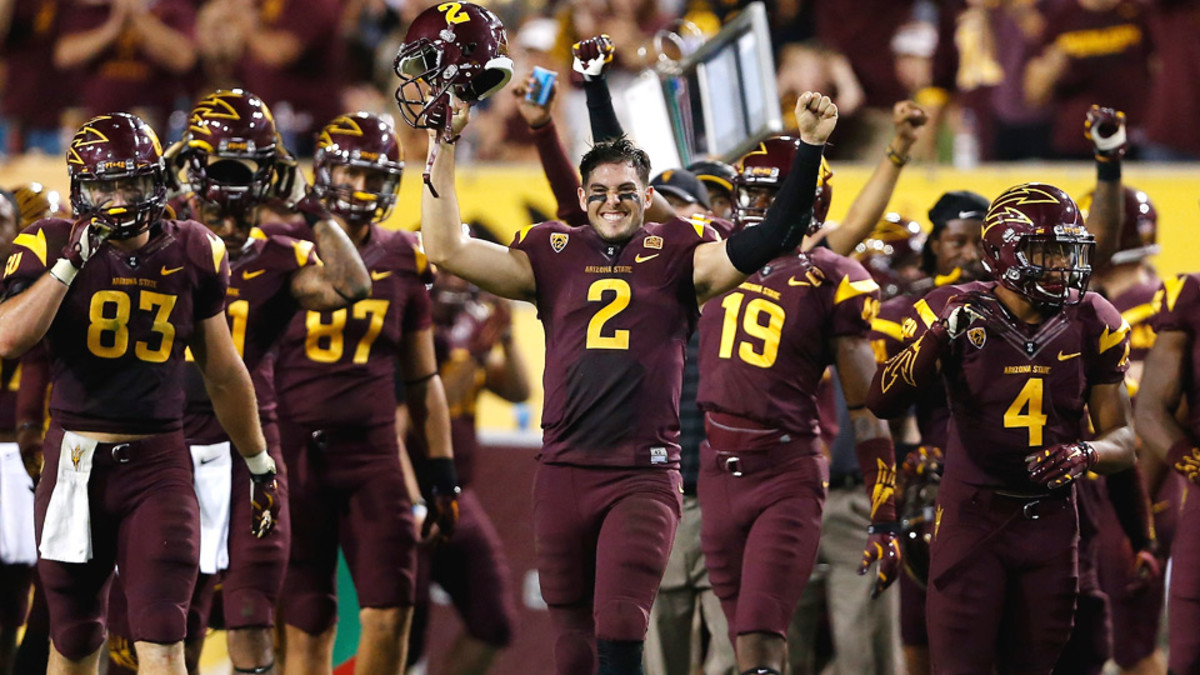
439 486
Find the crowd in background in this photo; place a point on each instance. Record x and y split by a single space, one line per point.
1002 79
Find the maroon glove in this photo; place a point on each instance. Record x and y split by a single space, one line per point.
1060 464
87 236
264 503
923 461
883 545
1105 128
592 56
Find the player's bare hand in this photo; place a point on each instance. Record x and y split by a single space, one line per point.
1105 128
593 56
883 546
816 116
535 115
495 327
908 118
1059 465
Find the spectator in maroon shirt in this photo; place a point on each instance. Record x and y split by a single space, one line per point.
291 53
130 53
31 109
1093 52
1174 106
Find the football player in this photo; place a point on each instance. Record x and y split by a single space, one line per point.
764 348
1135 593
1020 357
950 254
128 292
618 298
230 154
346 481
1168 385
473 339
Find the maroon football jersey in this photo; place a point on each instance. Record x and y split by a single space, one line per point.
765 345
887 333
1178 303
1137 306
259 304
617 319
891 332
1014 388
338 367
118 341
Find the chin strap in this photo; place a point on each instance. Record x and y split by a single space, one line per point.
440 118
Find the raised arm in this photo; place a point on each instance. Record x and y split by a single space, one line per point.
1105 128
342 278
494 268
868 207
720 266
560 173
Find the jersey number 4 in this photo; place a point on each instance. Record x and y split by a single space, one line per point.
1026 411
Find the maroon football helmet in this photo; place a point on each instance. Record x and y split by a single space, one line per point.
761 171
368 142
117 155
892 254
230 149
1138 237
1035 244
454 48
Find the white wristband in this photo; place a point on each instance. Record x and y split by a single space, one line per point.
64 271
260 463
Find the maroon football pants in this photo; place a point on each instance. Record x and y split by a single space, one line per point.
1183 607
603 537
144 518
1002 581
761 528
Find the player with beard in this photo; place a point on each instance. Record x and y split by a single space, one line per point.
346 482
762 473
230 150
117 486
1020 357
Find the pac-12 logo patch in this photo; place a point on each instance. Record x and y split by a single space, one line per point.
558 241
658 455
977 336
653 241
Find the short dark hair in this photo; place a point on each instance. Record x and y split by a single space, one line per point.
617 151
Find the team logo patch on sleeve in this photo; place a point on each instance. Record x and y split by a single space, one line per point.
653 241
977 336
558 241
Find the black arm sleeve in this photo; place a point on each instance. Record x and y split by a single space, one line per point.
605 125
786 221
